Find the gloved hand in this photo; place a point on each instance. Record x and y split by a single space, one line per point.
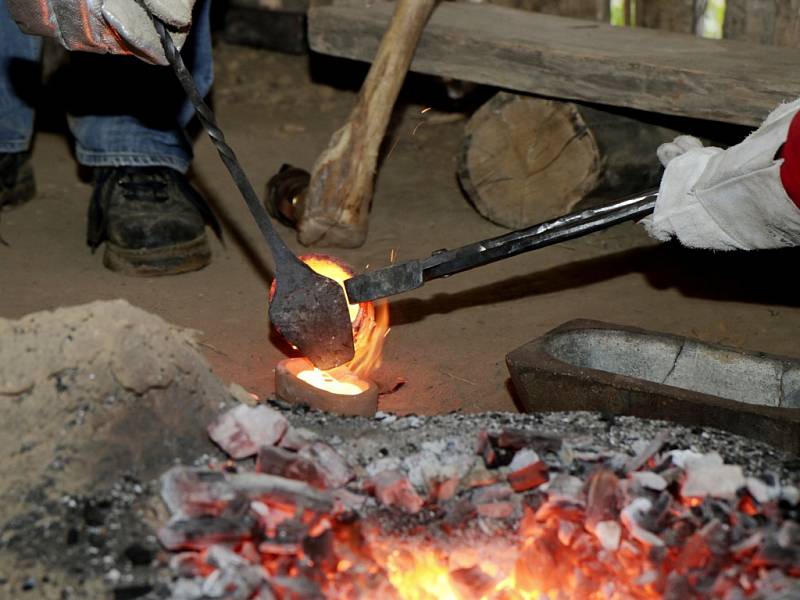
728 199
113 26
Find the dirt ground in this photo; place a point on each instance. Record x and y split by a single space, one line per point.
449 339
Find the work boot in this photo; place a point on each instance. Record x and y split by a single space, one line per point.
152 220
16 179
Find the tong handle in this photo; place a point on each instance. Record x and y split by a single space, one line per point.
570 226
410 275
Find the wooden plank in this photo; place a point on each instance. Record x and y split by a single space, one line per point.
771 22
566 58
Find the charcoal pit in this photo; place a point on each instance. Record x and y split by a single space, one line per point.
474 506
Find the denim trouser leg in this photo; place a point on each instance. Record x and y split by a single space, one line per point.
124 112
19 72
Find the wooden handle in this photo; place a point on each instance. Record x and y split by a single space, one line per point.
341 187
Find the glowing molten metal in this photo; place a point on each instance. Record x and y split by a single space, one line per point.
370 326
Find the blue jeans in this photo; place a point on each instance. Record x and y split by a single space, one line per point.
122 111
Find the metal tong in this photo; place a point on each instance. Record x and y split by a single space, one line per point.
410 275
309 310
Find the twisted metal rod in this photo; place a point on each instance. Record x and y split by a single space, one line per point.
279 249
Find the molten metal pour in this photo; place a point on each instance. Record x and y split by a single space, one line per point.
370 324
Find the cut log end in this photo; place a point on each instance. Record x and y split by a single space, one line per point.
524 159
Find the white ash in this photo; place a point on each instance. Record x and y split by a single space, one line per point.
243 429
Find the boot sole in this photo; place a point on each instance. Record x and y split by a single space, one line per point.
153 262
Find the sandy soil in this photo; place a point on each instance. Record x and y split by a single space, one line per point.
448 339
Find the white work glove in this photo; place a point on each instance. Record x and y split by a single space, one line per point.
727 199
105 26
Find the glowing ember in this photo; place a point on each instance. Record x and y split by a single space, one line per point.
370 327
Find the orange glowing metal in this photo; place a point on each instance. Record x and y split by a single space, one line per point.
370 326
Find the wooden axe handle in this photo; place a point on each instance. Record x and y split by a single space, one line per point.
340 191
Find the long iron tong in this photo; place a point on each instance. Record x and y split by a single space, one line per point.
410 275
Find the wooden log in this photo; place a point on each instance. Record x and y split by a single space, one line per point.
646 69
769 22
524 160
340 191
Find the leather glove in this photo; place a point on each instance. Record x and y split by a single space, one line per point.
728 199
106 26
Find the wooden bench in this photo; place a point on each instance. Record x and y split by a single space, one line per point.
560 57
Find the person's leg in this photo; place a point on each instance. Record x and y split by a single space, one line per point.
124 112
19 71
129 122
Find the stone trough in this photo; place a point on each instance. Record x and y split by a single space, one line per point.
613 369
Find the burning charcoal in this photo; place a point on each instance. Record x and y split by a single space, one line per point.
608 533
479 476
632 515
443 489
458 513
789 535
287 539
493 455
276 461
265 593
194 492
392 488
492 493
708 476
517 439
297 437
187 589
790 494
496 510
602 498
236 582
336 470
677 587
646 452
296 588
522 459
681 458
761 492
472 582
197 533
241 431
648 480
566 531
223 557
273 489
186 564
748 543
529 477
320 551
565 488
347 501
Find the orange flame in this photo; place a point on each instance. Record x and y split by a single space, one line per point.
370 327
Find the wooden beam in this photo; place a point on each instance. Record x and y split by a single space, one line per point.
646 69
